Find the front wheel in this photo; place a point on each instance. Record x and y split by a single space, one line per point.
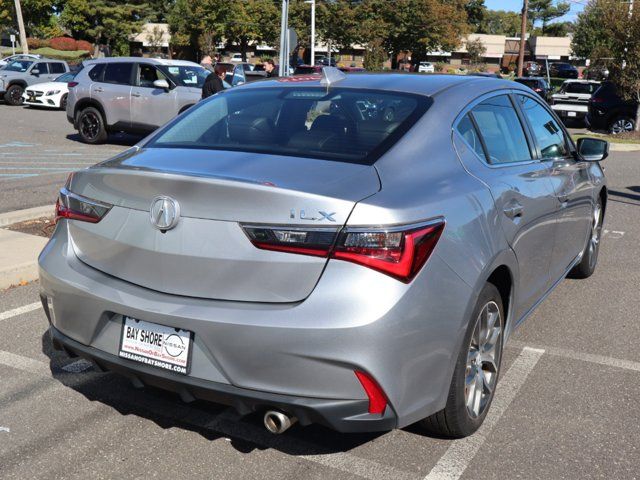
91 126
63 102
476 373
587 265
13 95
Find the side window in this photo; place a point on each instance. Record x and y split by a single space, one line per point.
119 73
42 68
547 132
147 74
238 75
95 73
56 68
501 130
468 131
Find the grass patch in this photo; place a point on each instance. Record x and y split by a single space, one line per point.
632 138
51 53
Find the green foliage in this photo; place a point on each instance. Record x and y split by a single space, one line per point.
105 21
375 55
476 50
590 38
500 22
545 10
476 10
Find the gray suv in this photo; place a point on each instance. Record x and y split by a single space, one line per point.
135 95
19 74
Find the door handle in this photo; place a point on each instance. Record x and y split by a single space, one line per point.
98 90
136 94
563 198
514 210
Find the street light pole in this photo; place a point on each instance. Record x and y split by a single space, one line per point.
284 40
23 34
313 32
523 33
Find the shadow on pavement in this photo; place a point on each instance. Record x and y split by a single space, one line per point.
630 196
122 139
166 410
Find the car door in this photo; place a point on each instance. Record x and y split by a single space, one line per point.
151 106
113 91
570 180
495 147
43 73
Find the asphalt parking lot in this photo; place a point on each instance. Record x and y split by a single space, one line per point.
565 408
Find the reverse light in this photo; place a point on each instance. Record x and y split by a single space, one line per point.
399 251
377 398
77 207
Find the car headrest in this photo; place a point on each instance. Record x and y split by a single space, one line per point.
249 128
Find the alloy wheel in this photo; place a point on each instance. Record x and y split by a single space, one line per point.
622 125
483 360
16 96
596 231
90 125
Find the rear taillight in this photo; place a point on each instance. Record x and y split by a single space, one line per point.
597 100
72 84
77 207
399 252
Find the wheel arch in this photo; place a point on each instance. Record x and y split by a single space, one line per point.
20 83
185 108
604 195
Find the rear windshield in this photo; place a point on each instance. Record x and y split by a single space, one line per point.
574 87
348 125
529 83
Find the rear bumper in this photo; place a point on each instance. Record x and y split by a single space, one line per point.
298 357
341 415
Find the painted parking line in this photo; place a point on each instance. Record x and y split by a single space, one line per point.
585 357
613 234
460 454
228 424
20 310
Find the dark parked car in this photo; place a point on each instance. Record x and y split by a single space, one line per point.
537 84
608 111
560 70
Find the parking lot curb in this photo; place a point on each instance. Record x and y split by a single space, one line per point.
18 216
19 257
624 147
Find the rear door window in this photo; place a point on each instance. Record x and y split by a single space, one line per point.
42 68
547 132
56 68
118 73
501 130
96 72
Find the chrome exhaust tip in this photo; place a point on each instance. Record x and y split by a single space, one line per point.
277 422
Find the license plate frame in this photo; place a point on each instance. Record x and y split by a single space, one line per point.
572 114
156 345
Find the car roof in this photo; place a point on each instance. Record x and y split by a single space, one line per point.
430 85
579 80
155 61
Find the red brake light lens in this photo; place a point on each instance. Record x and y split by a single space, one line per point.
377 398
72 84
399 252
77 207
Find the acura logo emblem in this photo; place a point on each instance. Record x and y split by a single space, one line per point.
164 213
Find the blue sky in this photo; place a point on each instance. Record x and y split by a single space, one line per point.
516 6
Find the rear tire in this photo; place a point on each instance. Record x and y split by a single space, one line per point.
622 124
476 372
587 265
13 95
91 126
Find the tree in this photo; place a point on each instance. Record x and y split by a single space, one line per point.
476 50
476 11
251 21
198 23
622 32
110 22
590 35
500 22
545 10
6 14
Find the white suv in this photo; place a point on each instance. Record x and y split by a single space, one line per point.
135 95
426 67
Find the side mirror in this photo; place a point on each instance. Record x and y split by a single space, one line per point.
163 84
35 72
593 149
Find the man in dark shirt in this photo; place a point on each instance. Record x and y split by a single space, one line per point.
213 84
270 68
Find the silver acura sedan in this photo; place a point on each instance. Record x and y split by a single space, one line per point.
349 251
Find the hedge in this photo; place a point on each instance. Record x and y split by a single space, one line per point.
63 43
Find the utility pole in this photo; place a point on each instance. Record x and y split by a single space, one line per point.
23 34
313 32
523 33
284 40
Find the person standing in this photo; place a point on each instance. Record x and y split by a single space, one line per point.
270 68
213 84
206 63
